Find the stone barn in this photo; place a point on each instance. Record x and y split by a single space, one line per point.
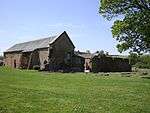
96 62
53 53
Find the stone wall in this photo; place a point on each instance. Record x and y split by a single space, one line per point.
60 52
43 56
10 59
87 64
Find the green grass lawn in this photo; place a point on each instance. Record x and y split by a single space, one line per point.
39 92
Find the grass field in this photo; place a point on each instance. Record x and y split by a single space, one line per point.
39 92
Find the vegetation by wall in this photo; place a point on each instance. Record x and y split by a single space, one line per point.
104 63
140 61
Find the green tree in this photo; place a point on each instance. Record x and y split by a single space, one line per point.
133 58
143 62
133 29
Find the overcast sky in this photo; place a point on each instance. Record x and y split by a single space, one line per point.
25 20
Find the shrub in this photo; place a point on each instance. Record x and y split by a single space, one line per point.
36 67
134 58
142 61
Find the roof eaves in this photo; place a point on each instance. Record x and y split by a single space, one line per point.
51 42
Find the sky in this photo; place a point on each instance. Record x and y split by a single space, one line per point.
26 20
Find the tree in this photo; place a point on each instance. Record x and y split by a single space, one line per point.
88 51
101 52
133 30
143 61
133 58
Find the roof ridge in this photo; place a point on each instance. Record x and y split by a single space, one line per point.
34 44
36 40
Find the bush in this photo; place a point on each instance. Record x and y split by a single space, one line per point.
139 65
140 61
134 58
36 67
144 62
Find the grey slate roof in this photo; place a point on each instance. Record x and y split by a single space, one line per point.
32 45
91 55
84 54
120 56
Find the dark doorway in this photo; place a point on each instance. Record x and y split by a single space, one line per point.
14 63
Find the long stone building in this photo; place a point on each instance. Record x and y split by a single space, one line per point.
54 53
96 62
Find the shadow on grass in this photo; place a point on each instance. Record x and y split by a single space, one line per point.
146 77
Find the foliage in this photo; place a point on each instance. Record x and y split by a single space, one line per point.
133 58
24 91
139 61
88 51
102 53
132 31
144 62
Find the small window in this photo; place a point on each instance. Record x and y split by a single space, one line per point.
68 56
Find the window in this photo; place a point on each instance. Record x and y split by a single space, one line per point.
68 56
